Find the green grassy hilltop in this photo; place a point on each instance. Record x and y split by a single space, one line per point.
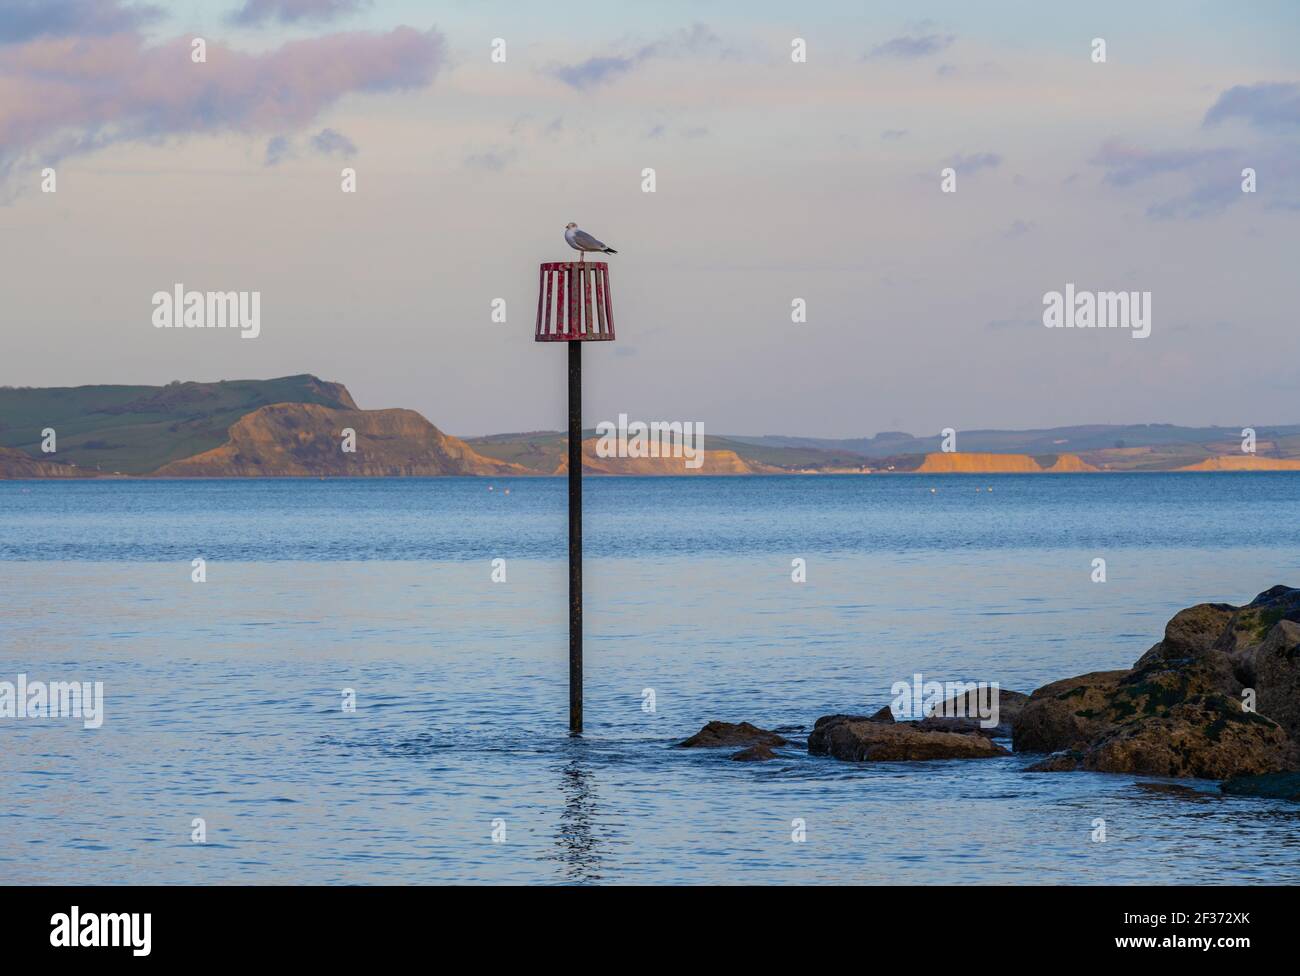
137 429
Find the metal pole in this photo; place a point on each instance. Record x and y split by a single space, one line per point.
575 537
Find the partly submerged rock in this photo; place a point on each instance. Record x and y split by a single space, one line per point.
1176 789
857 738
1280 786
754 754
1276 665
1226 639
1206 736
962 726
1066 761
968 713
717 734
1065 714
1180 711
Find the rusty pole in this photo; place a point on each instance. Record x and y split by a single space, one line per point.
575 538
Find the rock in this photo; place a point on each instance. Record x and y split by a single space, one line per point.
1195 636
1276 666
1208 736
754 754
961 713
1195 631
717 734
859 739
1252 624
827 719
1058 762
962 726
1279 786
1174 789
1065 714
1225 639
1179 711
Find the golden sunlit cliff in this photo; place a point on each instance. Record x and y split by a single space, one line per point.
305 439
956 462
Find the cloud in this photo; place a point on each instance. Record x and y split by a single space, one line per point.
490 160
597 71
257 12
1211 178
60 96
974 162
328 142
912 46
278 148
26 20
1126 165
1274 105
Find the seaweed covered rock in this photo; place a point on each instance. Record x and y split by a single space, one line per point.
1065 714
1206 736
1186 707
1276 665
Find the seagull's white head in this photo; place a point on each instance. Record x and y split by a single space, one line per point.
570 226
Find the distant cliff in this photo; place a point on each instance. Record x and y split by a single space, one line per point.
304 439
139 429
292 426
955 462
16 464
714 462
1244 462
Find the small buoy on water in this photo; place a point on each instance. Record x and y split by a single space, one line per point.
490 488
931 491
507 491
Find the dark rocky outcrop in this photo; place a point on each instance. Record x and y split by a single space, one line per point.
1179 711
1276 667
1278 786
858 738
715 735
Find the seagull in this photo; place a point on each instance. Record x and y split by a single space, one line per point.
580 240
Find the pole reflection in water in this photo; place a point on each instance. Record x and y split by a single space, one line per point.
577 845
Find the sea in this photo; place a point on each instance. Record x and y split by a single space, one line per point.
369 684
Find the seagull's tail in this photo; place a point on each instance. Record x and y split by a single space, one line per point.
610 250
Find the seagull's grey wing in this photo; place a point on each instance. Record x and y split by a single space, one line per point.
585 240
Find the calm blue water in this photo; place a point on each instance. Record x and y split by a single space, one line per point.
223 698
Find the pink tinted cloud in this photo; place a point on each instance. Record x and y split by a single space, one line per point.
63 95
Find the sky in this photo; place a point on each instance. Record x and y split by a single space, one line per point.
775 179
